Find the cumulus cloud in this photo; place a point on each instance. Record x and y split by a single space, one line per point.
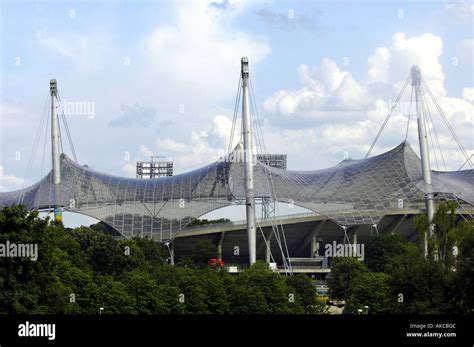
468 94
145 151
424 51
344 113
460 10
129 169
197 46
203 146
326 89
465 51
91 50
379 63
9 182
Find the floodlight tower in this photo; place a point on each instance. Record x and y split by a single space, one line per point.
249 162
55 149
425 156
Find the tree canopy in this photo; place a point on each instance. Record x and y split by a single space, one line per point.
86 271
397 278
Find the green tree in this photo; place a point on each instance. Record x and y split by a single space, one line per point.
192 288
202 252
266 284
113 297
371 289
306 294
104 228
149 297
152 251
102 252
247 300
214 284
422 283
344 271
445 235
463 289
381 248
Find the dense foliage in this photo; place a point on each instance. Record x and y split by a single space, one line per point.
82 270
397 278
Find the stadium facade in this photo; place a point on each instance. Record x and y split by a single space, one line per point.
354 193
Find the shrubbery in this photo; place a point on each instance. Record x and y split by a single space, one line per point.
81 270
397 278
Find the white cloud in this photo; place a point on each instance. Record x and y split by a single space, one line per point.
170 146
379 63
349 96
326 77
88 51
424 51
9 182
326 89
468 94
465 51
461 10
203 146
343 114
129 169
198 52
145 151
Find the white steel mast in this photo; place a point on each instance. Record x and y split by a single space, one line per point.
248 159
55 151
424 153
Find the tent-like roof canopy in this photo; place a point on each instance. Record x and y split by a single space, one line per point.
354 192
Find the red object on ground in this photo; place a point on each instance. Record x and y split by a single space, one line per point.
215 262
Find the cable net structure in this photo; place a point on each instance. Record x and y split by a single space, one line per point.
354 192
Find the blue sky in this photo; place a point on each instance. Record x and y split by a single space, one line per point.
324 75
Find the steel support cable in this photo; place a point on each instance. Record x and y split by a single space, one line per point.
279 234
60 139
232 132
266 242
258 120
34 150
465 162
428 129
346 237
409 113
234 118
388 117
428 112
442 114
453 133
272 185
44 146
259 141
437 138
36 140
287 263
276 231
68 133
462 207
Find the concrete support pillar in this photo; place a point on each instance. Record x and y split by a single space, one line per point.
308 240
171 250
268 257
172 253
354 236
314 246
219 245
